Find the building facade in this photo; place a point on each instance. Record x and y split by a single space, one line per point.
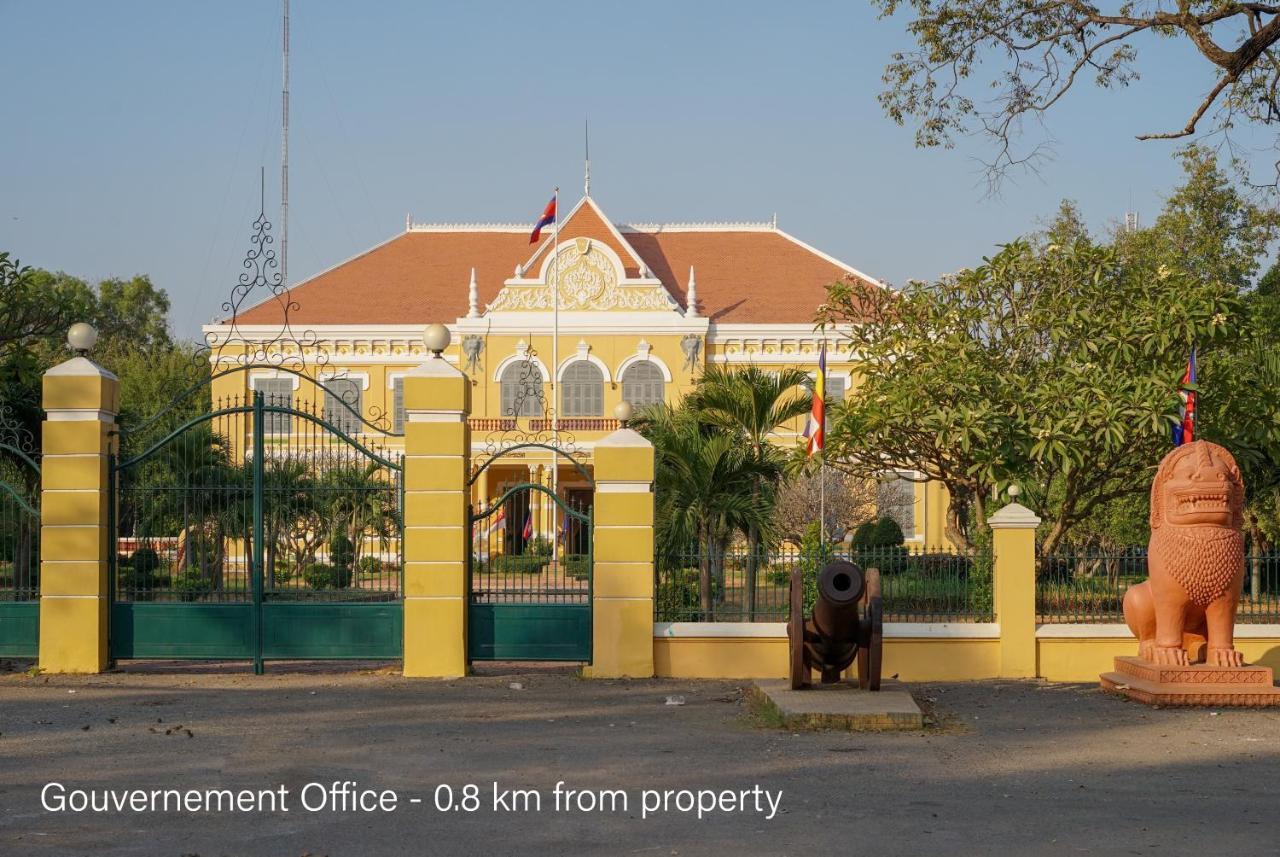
642 309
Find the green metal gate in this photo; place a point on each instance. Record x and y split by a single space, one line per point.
529 572
19 540
257 531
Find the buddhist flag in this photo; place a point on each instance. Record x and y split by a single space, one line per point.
548 217
816 429
1185 430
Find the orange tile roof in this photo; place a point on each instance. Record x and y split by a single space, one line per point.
745 276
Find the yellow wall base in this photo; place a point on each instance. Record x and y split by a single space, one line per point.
1058 658
73 634
766 657
622 631
435 637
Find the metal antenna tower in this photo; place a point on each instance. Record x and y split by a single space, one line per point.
284 158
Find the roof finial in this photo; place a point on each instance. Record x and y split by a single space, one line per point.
473 297
691 296
775 220
408 221
586 148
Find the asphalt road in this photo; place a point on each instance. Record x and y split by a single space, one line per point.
1010 768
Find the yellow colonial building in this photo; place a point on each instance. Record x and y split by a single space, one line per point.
641 310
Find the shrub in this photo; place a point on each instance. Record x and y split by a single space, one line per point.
887 533
320 575
144 560
342 552
518 563
538 547
142 573
577 566
191 585
864 535
890 559
370 565
678 598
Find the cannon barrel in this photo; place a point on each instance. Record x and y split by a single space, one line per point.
837 631
835 613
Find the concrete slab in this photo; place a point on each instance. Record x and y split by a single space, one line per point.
841 706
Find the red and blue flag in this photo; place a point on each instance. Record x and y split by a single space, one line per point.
548 217
1185 430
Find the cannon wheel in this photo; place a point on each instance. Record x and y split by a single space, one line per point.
871 638
875 648
795 632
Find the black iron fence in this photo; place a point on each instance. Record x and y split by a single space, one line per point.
188 508
1088 586
734 585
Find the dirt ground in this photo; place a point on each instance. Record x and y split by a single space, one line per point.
1013 768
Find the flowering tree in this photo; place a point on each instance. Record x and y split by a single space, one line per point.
1054 364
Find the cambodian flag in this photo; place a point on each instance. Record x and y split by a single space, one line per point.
816 429
528 526
1185 430
548 217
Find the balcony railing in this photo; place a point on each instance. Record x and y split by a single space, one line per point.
540 424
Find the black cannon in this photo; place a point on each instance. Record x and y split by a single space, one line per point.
847 623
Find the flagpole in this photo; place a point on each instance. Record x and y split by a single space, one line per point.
555 365
822 497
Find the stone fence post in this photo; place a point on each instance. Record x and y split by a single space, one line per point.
81 400
437 446
1013 537
622 579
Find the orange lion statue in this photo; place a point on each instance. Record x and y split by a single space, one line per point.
1195 561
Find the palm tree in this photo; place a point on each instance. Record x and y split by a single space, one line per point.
288 494
705 481
196 465
359 502
754 403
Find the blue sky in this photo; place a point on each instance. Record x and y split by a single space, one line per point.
134 131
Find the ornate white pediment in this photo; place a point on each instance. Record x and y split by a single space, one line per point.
589 277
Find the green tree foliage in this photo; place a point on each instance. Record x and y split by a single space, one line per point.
1051 364
134 341
986 66
751 404
705 485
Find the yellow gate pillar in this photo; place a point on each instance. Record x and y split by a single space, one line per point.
1013 544
622 579
437 446
81 400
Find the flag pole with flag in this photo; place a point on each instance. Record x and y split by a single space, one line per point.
550 217
816 432
1185 430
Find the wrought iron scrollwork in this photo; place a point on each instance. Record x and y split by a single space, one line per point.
16 437
300 353
19 462
531 418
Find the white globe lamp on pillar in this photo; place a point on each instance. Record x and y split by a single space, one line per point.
82 336
436 337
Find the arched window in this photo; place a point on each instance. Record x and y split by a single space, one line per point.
642 384
522 390
582 391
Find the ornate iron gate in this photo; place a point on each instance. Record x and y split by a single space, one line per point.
19 539
529 573
257 531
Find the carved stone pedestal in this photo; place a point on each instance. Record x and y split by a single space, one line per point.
1197 684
